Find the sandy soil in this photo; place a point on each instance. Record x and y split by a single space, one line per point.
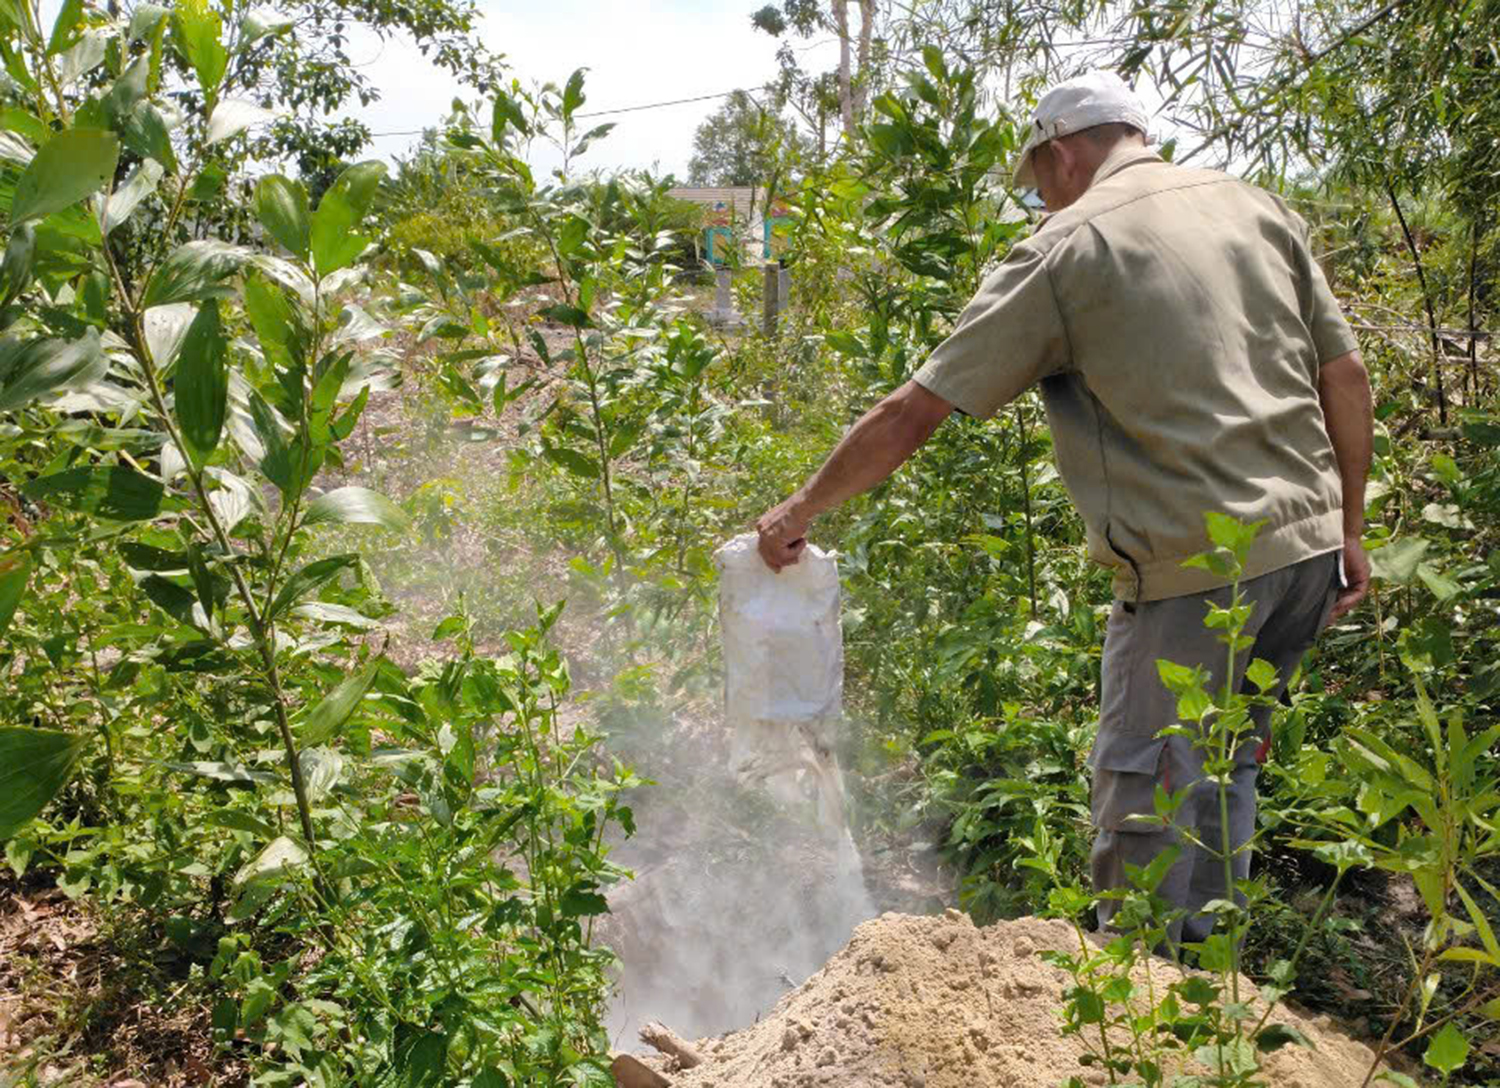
934 1002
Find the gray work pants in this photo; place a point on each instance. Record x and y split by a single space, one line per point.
1291 606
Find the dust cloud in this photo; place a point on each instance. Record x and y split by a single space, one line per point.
754 879
741 893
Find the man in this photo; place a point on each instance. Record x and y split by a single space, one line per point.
1192 358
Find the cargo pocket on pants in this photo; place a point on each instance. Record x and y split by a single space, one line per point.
1127 770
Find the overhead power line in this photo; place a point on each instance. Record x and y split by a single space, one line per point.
658 105
596 113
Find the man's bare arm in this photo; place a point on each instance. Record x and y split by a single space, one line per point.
877 445
1344 391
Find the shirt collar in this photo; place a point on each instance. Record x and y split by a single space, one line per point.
1117 160
1127 154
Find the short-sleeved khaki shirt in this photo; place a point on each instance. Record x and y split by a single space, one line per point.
1176 321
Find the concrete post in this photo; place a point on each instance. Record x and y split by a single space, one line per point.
723 301
770 297
783 289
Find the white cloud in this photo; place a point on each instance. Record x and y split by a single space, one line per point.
637 52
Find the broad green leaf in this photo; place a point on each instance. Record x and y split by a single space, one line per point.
571 234
42 367
34 765
128 91
1447 1050
573 461
1275 1036
20 260
281 207
333 710
341 427
1397 561
1177 678
83 57
15 150
573 96
197 31
208 184
201 386
15 571
1262 674
507 112
145 132
274 320
323 612
16 15
322 769
66 27
70 166
280 856
1443 587
1230 533
334 240
18 851
294 1027
277 462
166 328
231 774
260 22
203 579
114 491
144 21
571 316
117 206
309 578
237 819
175 600
420 1059
358 505
145 557
1481 923
233 116
598 132
582 902
194 271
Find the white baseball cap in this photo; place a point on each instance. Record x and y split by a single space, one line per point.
1094 98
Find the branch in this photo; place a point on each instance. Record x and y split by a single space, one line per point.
661 1037
1284 84
1437 344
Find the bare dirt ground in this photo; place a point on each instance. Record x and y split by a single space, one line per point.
80 1007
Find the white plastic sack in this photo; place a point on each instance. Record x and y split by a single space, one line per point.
783 647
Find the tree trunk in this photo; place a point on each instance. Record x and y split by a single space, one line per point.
866 29
846 86
1476 232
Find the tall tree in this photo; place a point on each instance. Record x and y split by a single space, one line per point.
300 61
743 143
854 74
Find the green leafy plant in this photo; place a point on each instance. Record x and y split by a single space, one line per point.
1147 1025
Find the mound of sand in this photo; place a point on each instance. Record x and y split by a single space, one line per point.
934 1002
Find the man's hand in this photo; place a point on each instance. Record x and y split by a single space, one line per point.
1344 392
783 535
1356 574
875 447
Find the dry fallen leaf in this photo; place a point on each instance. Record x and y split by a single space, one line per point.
1341 982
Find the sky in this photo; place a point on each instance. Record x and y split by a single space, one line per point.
637 51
